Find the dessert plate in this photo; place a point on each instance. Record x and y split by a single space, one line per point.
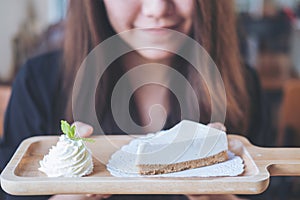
22 177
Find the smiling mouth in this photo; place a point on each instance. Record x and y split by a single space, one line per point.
156 28
159 30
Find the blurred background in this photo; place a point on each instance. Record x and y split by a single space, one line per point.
269 34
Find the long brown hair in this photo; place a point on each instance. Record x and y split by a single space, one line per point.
214 28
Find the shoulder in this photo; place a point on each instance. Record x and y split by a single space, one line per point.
251 73
259 111
252 80
42 66
39 79
40 71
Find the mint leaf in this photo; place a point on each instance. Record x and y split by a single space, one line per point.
84 139
65 126
67 129
87 139
70 132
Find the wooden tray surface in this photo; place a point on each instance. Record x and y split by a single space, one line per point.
21 175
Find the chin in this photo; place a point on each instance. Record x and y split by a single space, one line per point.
155 55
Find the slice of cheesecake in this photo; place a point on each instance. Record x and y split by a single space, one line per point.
185 146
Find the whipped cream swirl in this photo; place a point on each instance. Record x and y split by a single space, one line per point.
68 158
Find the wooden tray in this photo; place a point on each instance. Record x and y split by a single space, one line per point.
21 175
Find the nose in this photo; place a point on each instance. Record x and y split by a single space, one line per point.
156 8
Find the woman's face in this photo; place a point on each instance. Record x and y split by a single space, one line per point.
153 18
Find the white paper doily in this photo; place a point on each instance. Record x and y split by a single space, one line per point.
122 164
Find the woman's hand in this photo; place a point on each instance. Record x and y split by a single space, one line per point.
82 130
217 125
80 197
221 127
214 197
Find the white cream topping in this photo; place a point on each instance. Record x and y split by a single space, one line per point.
186 141
68 158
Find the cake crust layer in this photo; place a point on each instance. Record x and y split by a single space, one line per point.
152 169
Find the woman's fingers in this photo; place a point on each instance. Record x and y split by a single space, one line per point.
83 130
80 197
98 196
105 196
217 125
214 197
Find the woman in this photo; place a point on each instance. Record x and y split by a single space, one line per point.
42 92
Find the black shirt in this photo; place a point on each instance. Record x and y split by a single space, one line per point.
32 109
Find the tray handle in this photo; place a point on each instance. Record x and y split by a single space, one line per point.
278 161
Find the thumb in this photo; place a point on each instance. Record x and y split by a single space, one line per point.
217 125
83 130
